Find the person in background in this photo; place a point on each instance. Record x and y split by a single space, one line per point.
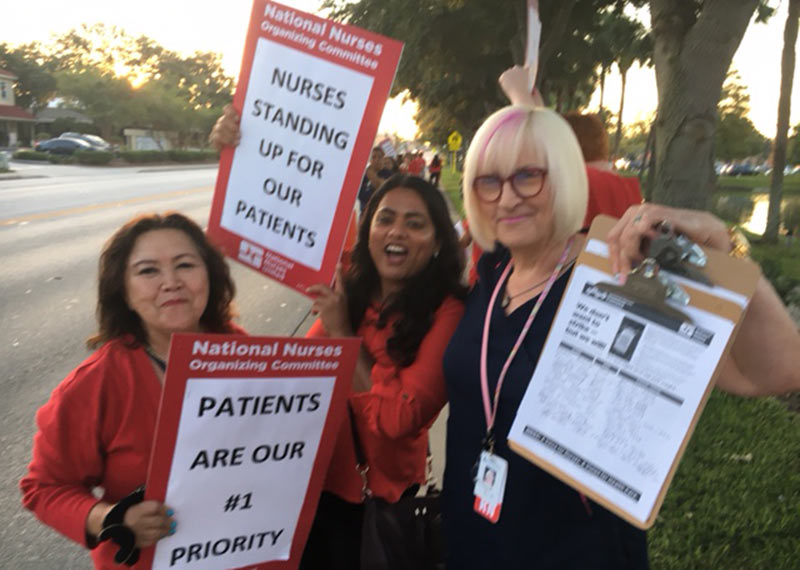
403 296
609 193
158 275
435 170
417 165
372 178
388 168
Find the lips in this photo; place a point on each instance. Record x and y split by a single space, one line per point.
173 302
395 253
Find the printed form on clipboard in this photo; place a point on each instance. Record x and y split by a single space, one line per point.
621 383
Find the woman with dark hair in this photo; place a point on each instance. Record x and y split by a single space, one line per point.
403 296
157 275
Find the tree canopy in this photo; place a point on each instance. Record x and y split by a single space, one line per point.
122 81
455 50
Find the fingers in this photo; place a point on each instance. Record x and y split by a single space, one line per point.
626 237
338 284
150 521
226 129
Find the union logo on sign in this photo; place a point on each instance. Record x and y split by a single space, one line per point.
251 254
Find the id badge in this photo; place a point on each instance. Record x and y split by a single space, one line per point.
490 484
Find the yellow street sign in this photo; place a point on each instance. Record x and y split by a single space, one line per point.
454 141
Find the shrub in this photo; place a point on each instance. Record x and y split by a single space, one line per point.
30 155
193 155
61 159
93 157
143 156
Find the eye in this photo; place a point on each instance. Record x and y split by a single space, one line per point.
383 218
149 270
417 223
186 265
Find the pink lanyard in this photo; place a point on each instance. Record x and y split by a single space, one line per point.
490 408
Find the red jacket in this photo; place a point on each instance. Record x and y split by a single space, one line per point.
95 431
610 194
394 416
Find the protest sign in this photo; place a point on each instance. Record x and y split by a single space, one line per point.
245 432
311 93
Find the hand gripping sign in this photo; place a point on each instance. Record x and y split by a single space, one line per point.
311 93
245 432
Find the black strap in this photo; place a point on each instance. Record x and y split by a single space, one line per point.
156 359
114 529
360 458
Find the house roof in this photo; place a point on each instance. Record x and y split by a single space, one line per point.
15 113
6 73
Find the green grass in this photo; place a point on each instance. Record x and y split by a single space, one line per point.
451 183
735 500
791 183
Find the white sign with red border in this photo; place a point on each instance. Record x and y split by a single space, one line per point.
245 432
311 93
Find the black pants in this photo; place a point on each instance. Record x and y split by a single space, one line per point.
435 178
335 539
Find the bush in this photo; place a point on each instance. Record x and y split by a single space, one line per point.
193 155
143 156
30 155
61 159
93 157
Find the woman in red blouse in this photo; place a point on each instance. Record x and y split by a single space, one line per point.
158 275
403 296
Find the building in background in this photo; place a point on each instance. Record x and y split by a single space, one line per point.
16 124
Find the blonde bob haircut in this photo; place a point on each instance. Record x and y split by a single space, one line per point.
496 148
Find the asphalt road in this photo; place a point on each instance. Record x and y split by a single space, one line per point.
51 231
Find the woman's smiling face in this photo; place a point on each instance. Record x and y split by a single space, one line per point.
402 238
521 222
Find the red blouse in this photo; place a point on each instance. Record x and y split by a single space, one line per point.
393 417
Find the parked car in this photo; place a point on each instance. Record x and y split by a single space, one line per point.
63 146
98 143
742 170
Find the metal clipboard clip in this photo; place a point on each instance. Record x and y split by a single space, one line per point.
647 285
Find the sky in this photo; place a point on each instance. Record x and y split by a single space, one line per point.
190 26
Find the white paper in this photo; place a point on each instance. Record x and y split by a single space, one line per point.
615 391
255 494
285 201
534 38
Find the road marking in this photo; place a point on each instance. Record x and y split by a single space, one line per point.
94 207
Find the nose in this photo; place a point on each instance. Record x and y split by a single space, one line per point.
508 197
397 229
172 280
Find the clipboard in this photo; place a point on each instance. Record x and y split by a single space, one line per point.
578 419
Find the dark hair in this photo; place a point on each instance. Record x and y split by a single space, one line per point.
115 319
423 293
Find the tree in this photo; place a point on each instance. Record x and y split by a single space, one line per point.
736 136
694 43
636 46
104 98
784 108
455 51
36 85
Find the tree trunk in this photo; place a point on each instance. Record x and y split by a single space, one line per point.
603 72
692 56
618 135
784 109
